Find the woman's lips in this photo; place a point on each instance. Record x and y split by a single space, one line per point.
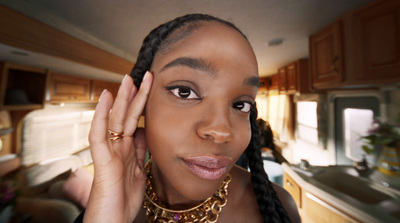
207 167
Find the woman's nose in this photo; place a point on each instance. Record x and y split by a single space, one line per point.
216 126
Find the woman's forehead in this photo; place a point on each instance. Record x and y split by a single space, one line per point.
209 39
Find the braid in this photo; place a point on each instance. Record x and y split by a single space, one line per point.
269 204
157 36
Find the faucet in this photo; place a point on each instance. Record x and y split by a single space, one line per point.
362 166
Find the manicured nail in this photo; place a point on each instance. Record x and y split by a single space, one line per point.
125 77
146 75
102 93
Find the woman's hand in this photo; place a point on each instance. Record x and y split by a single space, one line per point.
119 178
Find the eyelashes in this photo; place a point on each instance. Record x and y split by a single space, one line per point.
183 92
187 93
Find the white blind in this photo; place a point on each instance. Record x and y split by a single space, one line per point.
54 133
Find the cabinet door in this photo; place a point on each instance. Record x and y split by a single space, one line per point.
320 211
68 88
293 188
21 87
291 74
274 82
99 86
376 41
282 80
327 57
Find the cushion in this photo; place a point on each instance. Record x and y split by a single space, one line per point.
77 187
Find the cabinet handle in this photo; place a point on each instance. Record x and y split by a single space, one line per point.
333 67
289 183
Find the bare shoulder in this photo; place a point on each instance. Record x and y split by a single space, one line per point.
242 195
288 203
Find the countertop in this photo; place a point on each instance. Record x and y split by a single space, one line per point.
372 212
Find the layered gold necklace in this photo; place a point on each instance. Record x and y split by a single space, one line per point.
206 212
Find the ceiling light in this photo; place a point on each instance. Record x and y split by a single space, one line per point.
275 42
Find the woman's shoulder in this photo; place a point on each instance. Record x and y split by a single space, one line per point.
288 203
244 188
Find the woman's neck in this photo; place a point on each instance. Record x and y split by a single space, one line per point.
167 194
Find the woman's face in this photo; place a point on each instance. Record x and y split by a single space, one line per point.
197 113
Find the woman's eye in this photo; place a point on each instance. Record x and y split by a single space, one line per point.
242 106
184 92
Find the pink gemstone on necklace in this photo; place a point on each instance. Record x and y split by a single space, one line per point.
176 217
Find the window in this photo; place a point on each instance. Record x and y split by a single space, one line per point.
307 121
356 124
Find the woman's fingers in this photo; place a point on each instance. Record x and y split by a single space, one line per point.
117 115
136 108
98 130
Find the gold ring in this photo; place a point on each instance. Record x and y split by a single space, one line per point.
115 135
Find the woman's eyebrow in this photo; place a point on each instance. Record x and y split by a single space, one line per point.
193 63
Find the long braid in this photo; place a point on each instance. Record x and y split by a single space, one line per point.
270 206
266 196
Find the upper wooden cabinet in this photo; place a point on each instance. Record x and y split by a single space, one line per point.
294 78
99 86
22 87
359 49
282 80
68 88
326 55
376 40
274 80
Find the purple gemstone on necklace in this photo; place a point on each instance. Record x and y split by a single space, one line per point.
176 217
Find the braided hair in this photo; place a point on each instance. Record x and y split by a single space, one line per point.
163 36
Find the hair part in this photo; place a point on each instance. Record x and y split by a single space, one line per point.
162 39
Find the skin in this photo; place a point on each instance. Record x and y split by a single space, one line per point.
194 107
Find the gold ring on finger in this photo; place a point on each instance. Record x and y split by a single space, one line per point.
115 135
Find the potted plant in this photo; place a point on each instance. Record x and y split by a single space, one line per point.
385 135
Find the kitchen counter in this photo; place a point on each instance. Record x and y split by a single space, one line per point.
343 188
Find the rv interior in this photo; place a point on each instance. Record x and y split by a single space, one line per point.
329 73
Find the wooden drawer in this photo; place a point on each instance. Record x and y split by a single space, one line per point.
293 188
322 212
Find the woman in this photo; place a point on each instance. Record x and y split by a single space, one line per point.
197 77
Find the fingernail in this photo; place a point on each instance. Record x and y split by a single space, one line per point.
102 93
146 75
125 77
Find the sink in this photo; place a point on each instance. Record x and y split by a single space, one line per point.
347 181
363 198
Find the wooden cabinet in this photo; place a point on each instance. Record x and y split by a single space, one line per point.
294 78
22 87
293 188
359 49
322 212
376 40
326 55
282 80
312 208
99 86
68 88
274 82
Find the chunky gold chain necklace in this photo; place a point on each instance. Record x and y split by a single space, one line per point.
206 212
